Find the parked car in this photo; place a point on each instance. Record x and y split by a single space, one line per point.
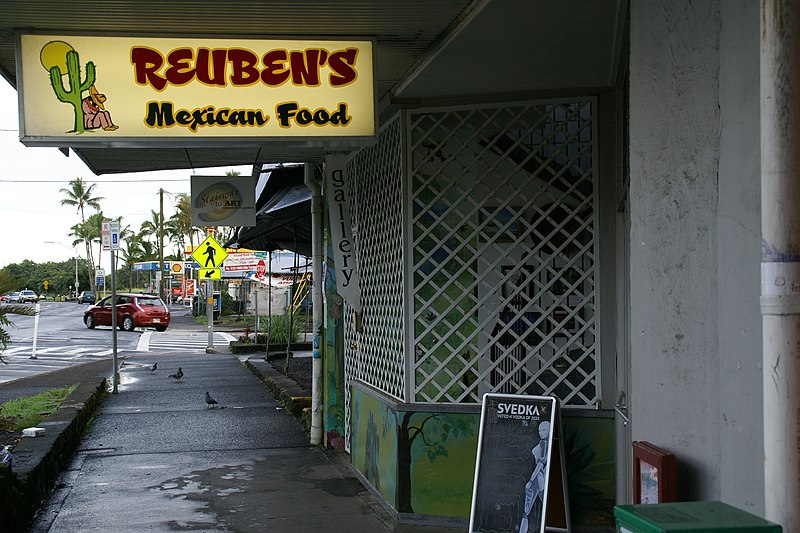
86 297
13 297
28 296
133 311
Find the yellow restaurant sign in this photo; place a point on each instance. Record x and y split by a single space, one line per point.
81 89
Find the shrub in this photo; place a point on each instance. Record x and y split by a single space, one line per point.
279 329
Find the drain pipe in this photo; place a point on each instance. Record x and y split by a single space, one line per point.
780 258
316 303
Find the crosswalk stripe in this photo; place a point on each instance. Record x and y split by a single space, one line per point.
182 342
52 349
16 349
50 354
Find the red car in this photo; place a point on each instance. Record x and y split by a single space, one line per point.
133 310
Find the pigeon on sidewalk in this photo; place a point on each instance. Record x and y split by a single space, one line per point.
210 402
177 375
153 368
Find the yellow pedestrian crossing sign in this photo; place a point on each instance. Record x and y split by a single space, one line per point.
209 273
209 254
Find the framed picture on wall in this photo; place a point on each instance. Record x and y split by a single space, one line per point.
653 474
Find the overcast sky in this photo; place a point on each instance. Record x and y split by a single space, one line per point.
30 201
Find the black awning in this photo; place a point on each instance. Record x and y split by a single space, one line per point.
283 216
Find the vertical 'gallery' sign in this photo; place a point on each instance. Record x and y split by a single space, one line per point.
343 240
520 479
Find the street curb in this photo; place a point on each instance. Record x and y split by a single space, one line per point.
294 398
37 462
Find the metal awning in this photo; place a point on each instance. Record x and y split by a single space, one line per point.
283 216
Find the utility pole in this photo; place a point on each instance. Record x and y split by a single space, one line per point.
161 244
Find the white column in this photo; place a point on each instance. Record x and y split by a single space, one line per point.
780 263
317 429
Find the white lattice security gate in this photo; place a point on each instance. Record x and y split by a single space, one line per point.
493 222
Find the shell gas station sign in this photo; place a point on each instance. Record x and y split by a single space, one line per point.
89 89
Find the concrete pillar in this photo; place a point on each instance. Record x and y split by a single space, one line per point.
780 262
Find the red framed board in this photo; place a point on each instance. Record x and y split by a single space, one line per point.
654 477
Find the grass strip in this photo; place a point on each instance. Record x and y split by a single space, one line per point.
28 411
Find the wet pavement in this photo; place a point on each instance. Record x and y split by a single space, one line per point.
157 458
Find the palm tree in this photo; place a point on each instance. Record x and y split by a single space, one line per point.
150 228
137 249
81 234
183 218
89 232
174 236
79 194
95 230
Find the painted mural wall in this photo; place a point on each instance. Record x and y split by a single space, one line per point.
373 444
423 462
332 361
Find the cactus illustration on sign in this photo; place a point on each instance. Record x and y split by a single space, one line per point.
60 60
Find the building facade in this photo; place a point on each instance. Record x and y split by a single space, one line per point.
601 247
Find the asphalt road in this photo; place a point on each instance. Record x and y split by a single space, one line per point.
63 340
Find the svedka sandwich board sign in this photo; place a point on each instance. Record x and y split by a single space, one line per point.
520 474
85 89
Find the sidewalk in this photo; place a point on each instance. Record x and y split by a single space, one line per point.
158 459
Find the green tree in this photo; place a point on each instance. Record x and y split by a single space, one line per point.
150 228
79 195
433 430
94 226
137 248
175 236
30 275
183 219
89 232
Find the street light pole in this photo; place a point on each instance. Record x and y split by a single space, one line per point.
76 271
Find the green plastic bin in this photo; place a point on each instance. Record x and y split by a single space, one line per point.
689 517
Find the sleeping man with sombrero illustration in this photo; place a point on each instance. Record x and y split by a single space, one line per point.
95 114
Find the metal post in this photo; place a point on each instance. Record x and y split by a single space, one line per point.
258 323
290 308
316 303
780 260
115 378
210 314
35 331
76 271
269 309
161 245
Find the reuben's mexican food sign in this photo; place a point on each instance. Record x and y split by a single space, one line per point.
78 89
